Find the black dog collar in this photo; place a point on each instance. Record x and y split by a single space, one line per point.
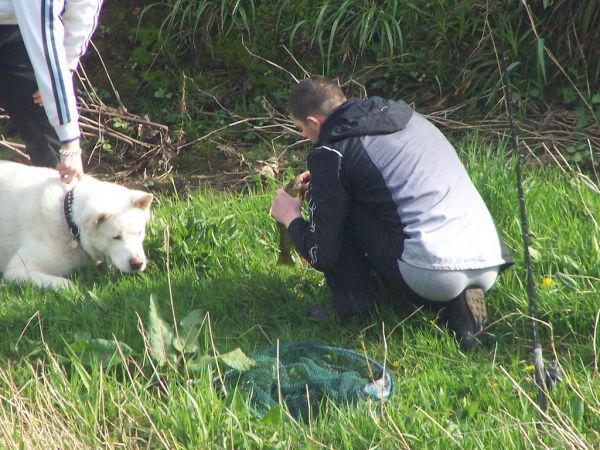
68 208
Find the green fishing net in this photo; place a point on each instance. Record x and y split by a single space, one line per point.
306 375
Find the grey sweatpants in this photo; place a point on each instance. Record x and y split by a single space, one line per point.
444 285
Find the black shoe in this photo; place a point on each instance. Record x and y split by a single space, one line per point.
466 315
353 306
354 318
321 315
318 313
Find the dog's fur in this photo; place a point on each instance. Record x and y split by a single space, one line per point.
36 244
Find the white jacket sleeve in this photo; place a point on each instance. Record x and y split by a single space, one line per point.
43 32
80 20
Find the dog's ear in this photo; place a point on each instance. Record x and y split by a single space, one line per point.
102 218
142 200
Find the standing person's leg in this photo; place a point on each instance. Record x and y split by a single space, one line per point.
17 85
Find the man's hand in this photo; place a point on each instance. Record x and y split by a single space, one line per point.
285 208
303 181
70 165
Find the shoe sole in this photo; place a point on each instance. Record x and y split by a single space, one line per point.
475 298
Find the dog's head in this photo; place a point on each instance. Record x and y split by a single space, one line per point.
113 226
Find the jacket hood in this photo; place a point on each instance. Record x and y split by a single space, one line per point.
356 117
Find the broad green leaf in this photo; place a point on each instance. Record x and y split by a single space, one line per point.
236 359
108 352
188 342
200 362
161 336
193 319
274 416
189 332
102 346
566 279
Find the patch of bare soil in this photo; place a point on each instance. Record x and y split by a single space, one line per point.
126 147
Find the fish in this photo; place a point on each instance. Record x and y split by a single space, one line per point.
285 241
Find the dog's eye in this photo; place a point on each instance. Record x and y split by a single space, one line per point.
118 237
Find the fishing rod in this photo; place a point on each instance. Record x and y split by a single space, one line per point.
544 379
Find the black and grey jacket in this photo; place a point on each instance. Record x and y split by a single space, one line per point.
396 163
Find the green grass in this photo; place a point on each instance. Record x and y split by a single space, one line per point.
216 253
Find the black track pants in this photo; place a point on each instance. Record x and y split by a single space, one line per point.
368 246
17 85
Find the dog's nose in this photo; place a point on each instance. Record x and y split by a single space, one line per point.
136 263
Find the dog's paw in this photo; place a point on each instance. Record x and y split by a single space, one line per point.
60 284
41 280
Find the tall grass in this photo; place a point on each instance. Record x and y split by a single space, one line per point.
216 253
448 48
191 22
345 30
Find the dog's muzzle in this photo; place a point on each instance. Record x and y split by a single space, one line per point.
137 264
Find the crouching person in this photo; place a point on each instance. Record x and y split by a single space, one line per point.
387 192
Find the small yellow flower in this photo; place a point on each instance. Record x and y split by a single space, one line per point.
395 364
548 283
529 368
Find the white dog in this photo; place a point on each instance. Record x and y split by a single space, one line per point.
47 231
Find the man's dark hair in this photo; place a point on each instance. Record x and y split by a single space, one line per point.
315 95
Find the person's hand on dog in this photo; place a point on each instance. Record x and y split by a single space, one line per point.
70 166
303 182
285 208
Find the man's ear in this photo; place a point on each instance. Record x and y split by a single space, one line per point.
315 120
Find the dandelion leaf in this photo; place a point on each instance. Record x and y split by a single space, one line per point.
161 336
108 352
237 359
200 362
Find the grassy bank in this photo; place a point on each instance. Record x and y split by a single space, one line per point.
215 254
